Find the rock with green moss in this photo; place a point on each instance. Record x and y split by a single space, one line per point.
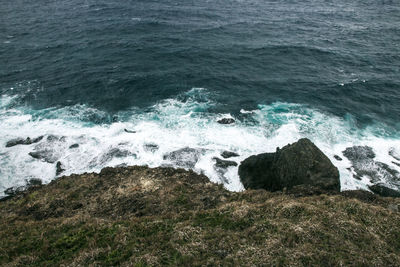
301 163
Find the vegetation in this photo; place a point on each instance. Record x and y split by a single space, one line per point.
140 216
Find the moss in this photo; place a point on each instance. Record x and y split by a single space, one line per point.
222 220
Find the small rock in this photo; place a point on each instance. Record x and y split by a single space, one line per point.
337 157
129 131
59 168
185 157
21 141
226 121
45 155
229 154
220 163
12 191
34 182
74 146
394 154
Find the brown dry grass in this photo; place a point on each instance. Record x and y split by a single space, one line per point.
142 216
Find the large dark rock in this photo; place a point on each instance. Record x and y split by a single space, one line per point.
301 163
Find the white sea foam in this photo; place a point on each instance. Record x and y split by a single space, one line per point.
171 125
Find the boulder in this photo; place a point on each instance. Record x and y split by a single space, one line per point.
301 163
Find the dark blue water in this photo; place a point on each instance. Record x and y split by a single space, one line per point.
331 66
338 56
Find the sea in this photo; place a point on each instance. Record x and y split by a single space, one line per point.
127 82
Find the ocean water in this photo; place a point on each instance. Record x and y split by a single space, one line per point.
81 72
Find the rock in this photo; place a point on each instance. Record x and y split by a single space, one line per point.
396 163
115 153
220 163
300 163
337 157
21 141
45 155
12 191
151 147
59 168
394 154
357 153
185 157
74 146
229 154
129 131
363 163
384 191
34 182
226 121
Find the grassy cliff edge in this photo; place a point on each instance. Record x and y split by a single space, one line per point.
163 216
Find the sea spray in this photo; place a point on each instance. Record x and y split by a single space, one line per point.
185 121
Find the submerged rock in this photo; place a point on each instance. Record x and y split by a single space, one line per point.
229 154
384 191
301 163
226 121
220 163
115 153
45 155
21 141
185 157
74 146
394 154
151 147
